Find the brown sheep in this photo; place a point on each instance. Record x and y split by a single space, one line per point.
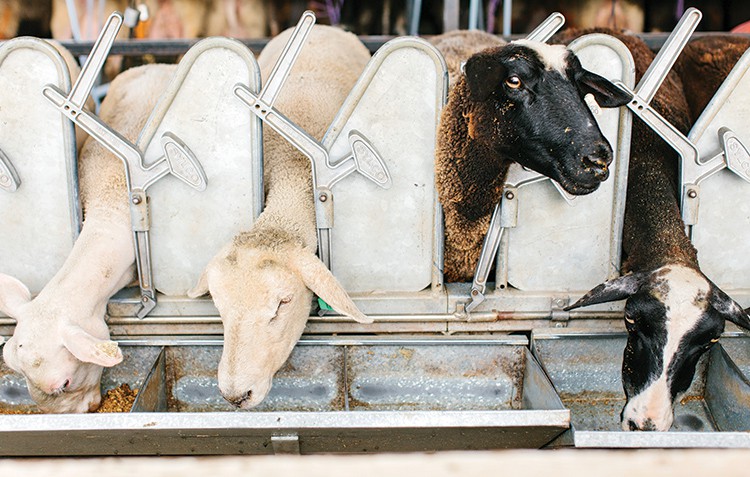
703 65
521 102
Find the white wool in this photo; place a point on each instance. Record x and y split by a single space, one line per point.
554 57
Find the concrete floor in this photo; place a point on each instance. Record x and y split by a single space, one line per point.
526 463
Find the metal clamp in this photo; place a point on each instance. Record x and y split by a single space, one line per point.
362 157
177 158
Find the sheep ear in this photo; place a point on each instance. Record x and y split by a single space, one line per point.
606 93
612 290
483 75
200 288
90 349
13 294
729 308
322 282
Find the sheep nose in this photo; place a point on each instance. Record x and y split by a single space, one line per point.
648 425
237 401
598 166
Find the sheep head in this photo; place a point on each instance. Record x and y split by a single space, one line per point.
526 104
673 315
263 296
60 353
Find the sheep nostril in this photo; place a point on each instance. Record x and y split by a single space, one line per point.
238 402
599 167
632 425
66 384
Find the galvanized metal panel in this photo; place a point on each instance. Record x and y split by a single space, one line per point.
389 240
188 226
41 219
574 246
720 234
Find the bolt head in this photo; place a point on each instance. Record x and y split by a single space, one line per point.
692 193
136 200
510 195
323 197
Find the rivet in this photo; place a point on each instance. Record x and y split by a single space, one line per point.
136 200
323 197
692 194
474 292
510 195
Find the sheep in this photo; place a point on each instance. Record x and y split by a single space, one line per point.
521 102
709 58
61 340
262 282
237 18
673 312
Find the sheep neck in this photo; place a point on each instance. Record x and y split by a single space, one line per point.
654 233
100 263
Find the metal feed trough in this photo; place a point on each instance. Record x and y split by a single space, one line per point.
585 368
353 395
402 383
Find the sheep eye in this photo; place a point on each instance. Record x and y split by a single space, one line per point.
629 319
285 300
715 340
513 82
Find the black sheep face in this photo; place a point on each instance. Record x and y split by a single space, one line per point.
528 106
673 315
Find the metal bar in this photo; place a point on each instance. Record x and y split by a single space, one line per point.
451 11
675 42
547 28
507 13
474 6
284 64
415 16
486 259
93 66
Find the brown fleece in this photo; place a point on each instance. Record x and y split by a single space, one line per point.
654 233
703 65
468 184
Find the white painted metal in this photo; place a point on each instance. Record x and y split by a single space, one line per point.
387 240
574 245
721 232
189 226
41 218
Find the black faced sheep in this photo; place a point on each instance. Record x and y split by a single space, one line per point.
673 313
519 102
263 282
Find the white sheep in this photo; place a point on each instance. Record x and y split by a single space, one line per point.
61 340
263 281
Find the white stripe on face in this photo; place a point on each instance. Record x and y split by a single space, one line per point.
684 292
554 57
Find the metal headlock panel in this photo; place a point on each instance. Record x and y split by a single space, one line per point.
391 240
720 180
190 226
39 208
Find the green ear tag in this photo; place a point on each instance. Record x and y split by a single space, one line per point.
323 305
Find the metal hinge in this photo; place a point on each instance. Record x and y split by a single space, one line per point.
559 317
